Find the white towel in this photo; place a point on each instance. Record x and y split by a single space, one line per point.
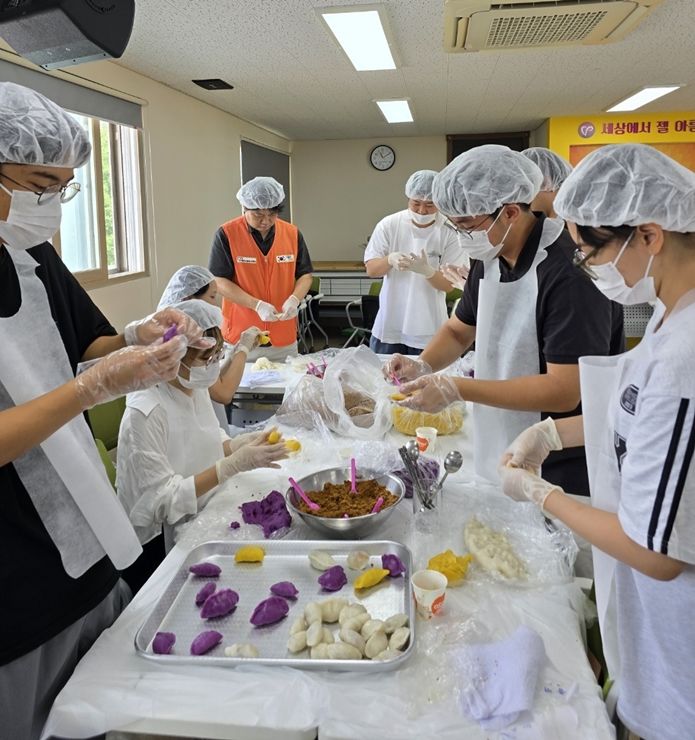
500 678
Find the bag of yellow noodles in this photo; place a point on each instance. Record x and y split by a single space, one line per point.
406 421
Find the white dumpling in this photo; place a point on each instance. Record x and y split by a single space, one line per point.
399 639
388 654
343 651
320 652
241 650
370 627
357 622
358 560
351 610
331 609
394 622
314 635
327 638
321 560
376 644
297 642
299 625
312 613
352 638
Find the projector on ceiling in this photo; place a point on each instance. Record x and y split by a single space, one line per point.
60 33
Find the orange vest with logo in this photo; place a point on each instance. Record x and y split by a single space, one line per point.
269 278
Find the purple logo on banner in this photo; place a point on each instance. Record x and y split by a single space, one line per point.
586 129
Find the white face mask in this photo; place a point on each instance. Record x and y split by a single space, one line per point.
29 223
423 219
612 284
201 376
478 246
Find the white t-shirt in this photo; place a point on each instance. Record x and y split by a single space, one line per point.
410 309
654 438
166 438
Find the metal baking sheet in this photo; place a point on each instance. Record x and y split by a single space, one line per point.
285 560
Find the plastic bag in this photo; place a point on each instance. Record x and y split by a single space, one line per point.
448 421
357 393
352 399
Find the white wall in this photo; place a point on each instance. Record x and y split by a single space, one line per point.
338 197
191 153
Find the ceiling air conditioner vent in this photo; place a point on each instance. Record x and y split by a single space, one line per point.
477 25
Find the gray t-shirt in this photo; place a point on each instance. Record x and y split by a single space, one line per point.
654 439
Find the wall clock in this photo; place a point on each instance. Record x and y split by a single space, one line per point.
382 157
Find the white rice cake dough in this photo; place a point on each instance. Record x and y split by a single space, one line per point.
493 550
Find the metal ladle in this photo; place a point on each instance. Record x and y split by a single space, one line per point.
452 464
413 450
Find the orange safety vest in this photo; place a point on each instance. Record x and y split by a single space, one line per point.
269 278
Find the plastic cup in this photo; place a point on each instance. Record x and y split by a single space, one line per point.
426 438
429 589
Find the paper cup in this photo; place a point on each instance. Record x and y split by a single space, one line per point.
426 438
429 589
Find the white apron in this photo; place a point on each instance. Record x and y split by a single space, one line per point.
506 346
601 381
64 475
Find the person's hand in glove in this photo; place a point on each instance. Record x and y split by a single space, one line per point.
530 449
153 327
241 440
430 393
456 275
250 339
130 369
405 368
266 311
420 264
290 308
399 260
521 485
257 454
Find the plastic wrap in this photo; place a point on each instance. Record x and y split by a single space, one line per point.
448 421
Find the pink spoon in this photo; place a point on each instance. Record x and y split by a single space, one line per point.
353 475
377 506
313 506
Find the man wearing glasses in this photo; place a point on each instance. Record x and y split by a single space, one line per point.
263 269
529 310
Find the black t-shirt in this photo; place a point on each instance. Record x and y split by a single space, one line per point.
221 264
573 319
39 599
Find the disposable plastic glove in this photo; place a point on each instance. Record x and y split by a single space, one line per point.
241 440
130 369
153 327
399 260
266 311
257 454
521 485
250 339
430 393
405 368
420 264
290 308
532 446
456 275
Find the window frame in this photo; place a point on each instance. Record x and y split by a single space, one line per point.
103 276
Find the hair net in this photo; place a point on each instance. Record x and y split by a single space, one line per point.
34 130
261 192
184 283
482 179
203 313
419 185
629 184
555 169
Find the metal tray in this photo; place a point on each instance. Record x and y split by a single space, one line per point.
285 560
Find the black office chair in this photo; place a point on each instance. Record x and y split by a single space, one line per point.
369 307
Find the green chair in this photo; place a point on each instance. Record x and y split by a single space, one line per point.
105 421
108 464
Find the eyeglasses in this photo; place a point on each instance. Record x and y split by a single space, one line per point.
581 260
467 232
45 195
